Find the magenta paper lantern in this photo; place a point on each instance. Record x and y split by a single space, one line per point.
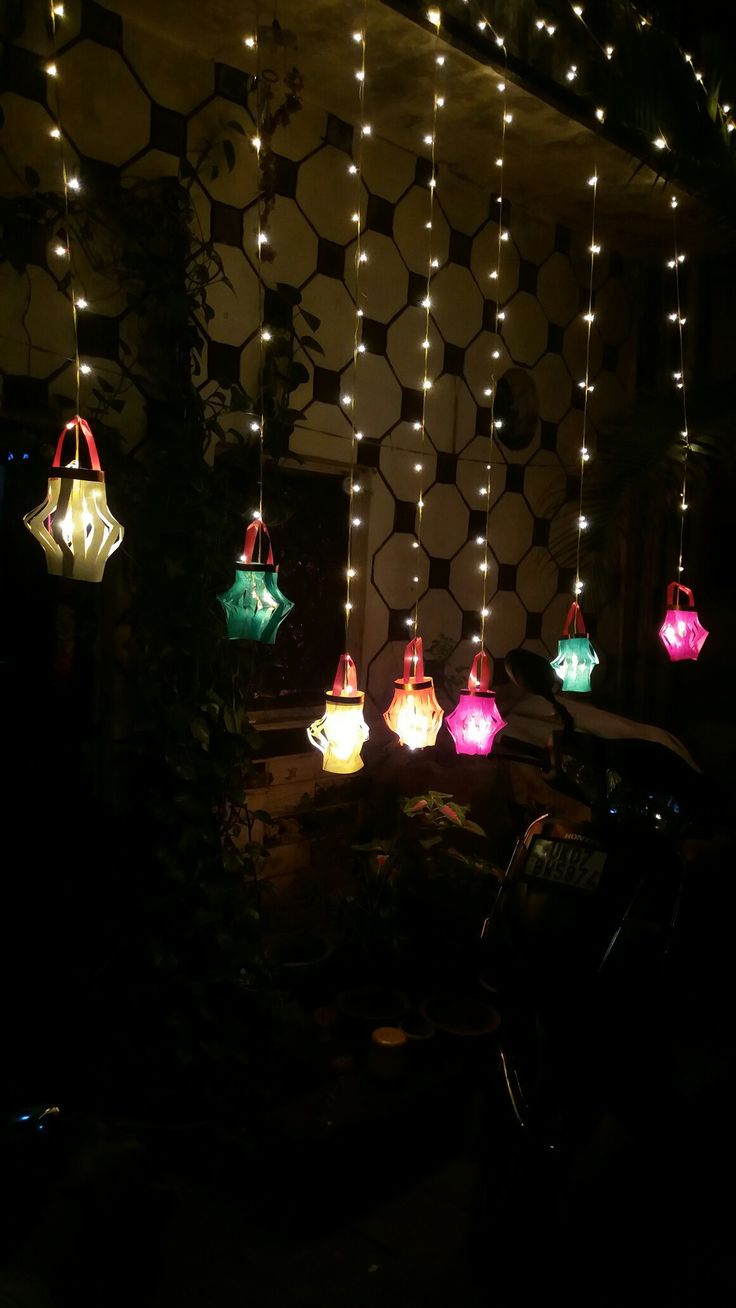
681 633
414 714
476 721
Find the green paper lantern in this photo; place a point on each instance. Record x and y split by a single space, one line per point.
254 605
576 657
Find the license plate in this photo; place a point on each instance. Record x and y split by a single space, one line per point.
565 862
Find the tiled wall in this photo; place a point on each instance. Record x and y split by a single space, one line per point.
134 105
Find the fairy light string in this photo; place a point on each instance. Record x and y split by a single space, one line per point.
587 389
264 336
434 17
679 378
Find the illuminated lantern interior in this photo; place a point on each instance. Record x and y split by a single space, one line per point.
341 732
414 713
74 524
681 633
254 606
576 657
476 721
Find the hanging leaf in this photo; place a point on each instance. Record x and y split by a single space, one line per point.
228 149
311 320
236 126
290 294
311 344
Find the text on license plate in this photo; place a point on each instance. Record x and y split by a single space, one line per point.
568 862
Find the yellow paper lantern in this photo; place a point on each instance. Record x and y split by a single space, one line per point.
341 732
414 714
74 525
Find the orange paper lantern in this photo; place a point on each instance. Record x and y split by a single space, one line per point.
414 714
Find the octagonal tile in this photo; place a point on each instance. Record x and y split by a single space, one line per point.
416 244
450 414
325 192
506 624
383 277
525 328
536 579
111 120
303 133
405 336
464 204
457 305
554 387
401 452
27 126
395 565
379 396
387 171
472 473
613 312
466 576
545 488
557 289
445 521
236 307
292 240
533 236
207 132
161 74
511 526
575 345
484 260
151 166
481 368
48 323
328 298
563 535
439 617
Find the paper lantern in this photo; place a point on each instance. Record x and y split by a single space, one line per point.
342 731
254 606
576 657
681 633
414 713
74 525
476 721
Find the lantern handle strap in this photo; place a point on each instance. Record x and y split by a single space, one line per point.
253 535
80 424
480 673
414 660
346 677
673 595
575 619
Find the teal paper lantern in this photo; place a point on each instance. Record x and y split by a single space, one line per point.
576 657
254 605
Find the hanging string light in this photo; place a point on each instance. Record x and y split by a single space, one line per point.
341 732
254 604
681 632
410 703
74 524
576 657
475 721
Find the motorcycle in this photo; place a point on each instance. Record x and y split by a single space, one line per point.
578 1185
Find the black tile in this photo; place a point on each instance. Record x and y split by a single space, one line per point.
616 265
326 386
506 576
97 335
23 394
482 421
398 627
527 277
26 238
168 130
405 513
278 311
330 259
423 171
540 531
578 397
566 581
610 358
555 338
533 626
454 360
572 488
548 436
368 454
379 215
460 249
489 315
102 180
232 83
23 73
476 524
223 363
339 133
101 25
226 224
411 405
470 625
373 335
563 239
439 574
284 173
417 290
515 478
446 469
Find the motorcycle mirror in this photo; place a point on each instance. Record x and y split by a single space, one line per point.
532 673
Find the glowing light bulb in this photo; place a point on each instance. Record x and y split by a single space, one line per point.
262 239
56 133
508 118
360 75
346 400
659 143
85 368
250 41
610 51
81 303
254 426
58 11
571 73
428 140
480 540
434 17
352 168
366 129
256 142
357 522
358 435
578 10
74 184
600 115
61 250
418 467
265 334
52 70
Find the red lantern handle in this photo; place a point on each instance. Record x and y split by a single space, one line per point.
574 618
674 598
346 677
480 673
252 535
81 425
414 660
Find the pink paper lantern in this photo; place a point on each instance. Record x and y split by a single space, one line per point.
681 633
476 721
